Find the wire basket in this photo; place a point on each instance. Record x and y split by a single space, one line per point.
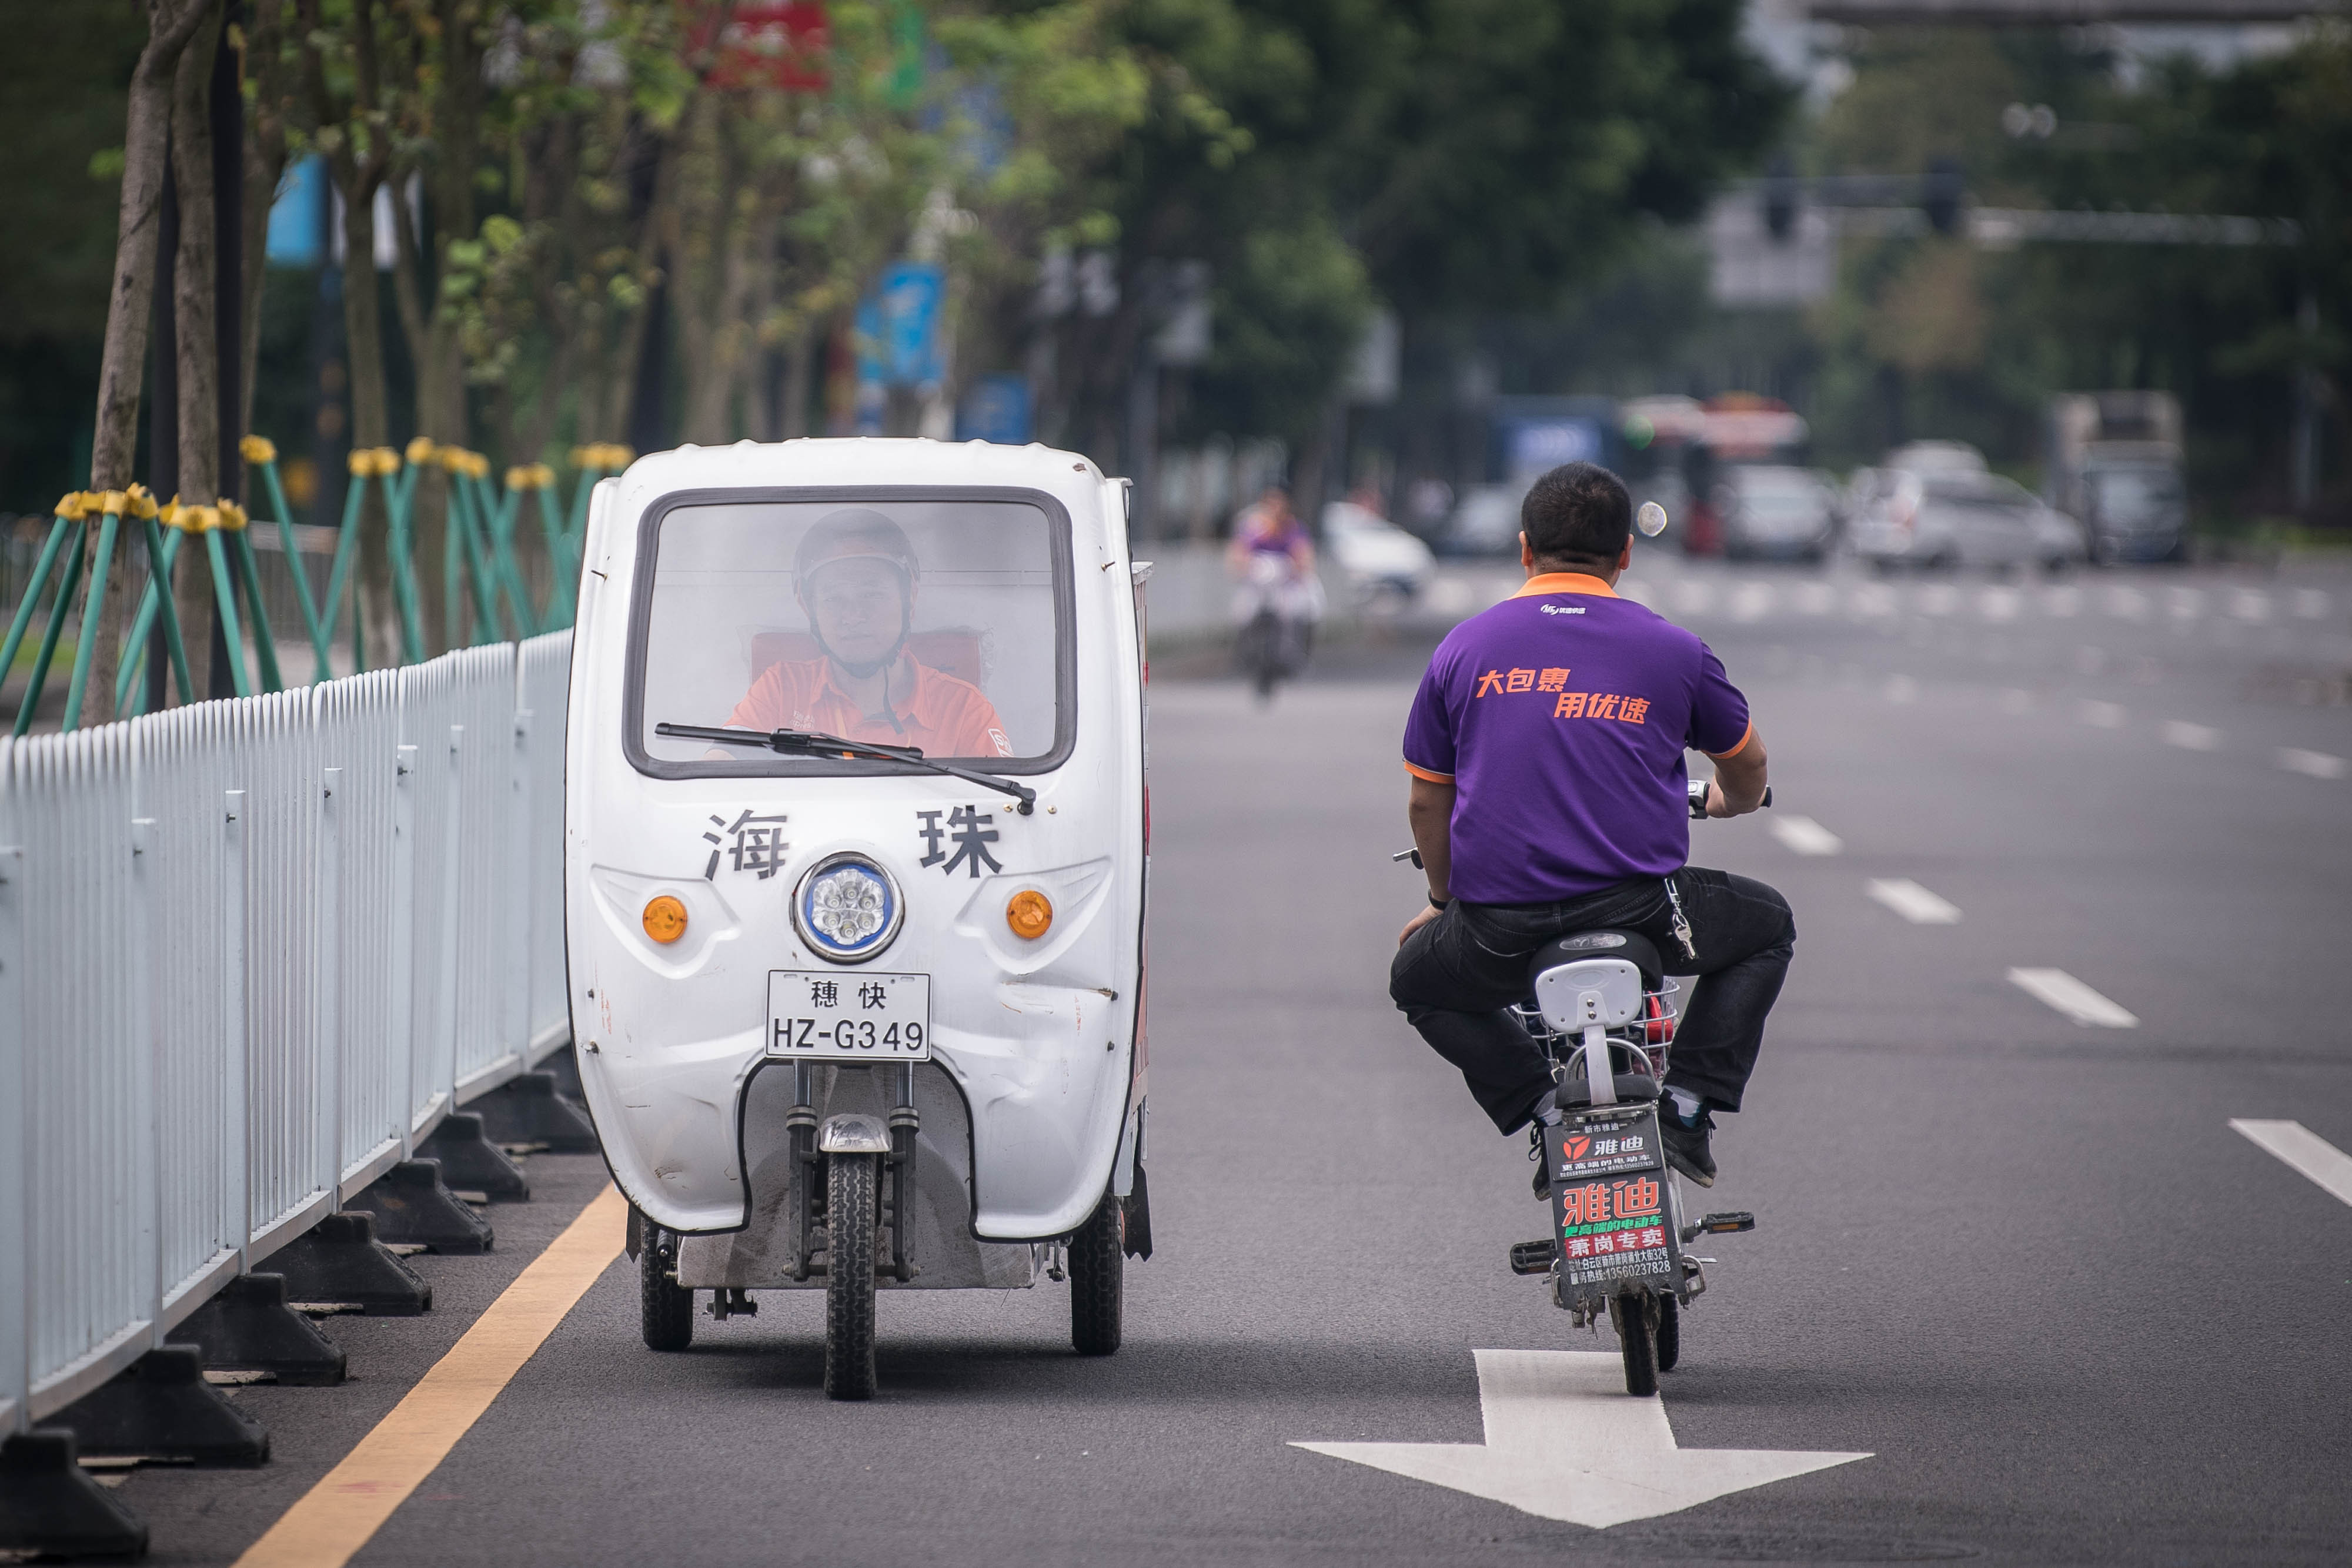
1653 1035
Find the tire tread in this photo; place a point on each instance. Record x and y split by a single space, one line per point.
665 1308
1097 1285
850 1217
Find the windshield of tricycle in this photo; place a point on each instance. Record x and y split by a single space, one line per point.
926 619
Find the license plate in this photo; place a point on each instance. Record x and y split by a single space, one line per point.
815 1016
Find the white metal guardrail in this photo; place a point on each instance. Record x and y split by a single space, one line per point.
251 953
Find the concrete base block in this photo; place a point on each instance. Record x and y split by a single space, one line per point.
411 1204
49 1507
565 1067
532 1108
471 1163
248 1327
339 1259
161 1408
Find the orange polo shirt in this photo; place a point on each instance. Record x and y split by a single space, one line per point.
941 715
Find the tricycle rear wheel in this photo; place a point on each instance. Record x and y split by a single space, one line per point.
1635 1317
850 1219
665 1308
1098 1264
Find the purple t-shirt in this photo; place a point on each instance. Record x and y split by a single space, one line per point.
1560 716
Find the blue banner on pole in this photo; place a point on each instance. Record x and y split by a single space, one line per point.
898 326
995 409
297 217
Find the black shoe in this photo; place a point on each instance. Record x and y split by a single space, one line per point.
1686 1148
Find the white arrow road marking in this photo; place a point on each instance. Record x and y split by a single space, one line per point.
2317 763
2070 996
2305 1150
1806 836
1914 903
2192 737
1565 1441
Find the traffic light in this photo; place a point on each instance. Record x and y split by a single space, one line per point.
1779 197
1939 194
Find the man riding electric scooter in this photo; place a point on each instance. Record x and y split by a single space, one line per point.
1548 795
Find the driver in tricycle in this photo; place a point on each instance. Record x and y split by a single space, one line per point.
856 578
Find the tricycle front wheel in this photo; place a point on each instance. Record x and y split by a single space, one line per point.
850 1219
1097 1262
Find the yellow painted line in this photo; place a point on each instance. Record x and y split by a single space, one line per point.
350 1502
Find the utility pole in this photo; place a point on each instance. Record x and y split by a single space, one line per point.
2305 477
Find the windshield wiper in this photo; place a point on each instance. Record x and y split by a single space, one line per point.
813 743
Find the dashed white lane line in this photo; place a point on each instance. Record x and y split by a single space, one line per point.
2310 604
2102 716
1914 903
2058 990
2316 764
1805 836
2305 1151
2192 737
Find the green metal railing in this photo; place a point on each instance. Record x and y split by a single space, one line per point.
485 588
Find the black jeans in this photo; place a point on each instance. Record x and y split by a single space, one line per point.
1456 976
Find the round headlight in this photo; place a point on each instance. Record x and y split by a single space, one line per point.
846 908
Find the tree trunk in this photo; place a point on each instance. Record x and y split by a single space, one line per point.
197 352
122 364
798 359
264 165
434 350
370 404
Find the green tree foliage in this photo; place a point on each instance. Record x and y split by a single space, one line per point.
60 166
1449 159
1926 336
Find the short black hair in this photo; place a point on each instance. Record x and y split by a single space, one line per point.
1578 513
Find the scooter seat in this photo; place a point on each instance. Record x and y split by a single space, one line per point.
1574 1091
1579 945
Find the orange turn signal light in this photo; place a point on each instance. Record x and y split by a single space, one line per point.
1030 914
664 919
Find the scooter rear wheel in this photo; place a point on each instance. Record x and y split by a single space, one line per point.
1634 1315
1670 1333
850 1219
665 1308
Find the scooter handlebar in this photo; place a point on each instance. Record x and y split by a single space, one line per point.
1698 797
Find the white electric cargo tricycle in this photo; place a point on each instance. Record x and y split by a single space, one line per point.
854 860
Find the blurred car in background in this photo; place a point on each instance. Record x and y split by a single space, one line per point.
2114 459
1487 522
1935 505
2135 511
1770 512
1377 556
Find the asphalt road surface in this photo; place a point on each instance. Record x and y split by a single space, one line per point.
2021 1262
